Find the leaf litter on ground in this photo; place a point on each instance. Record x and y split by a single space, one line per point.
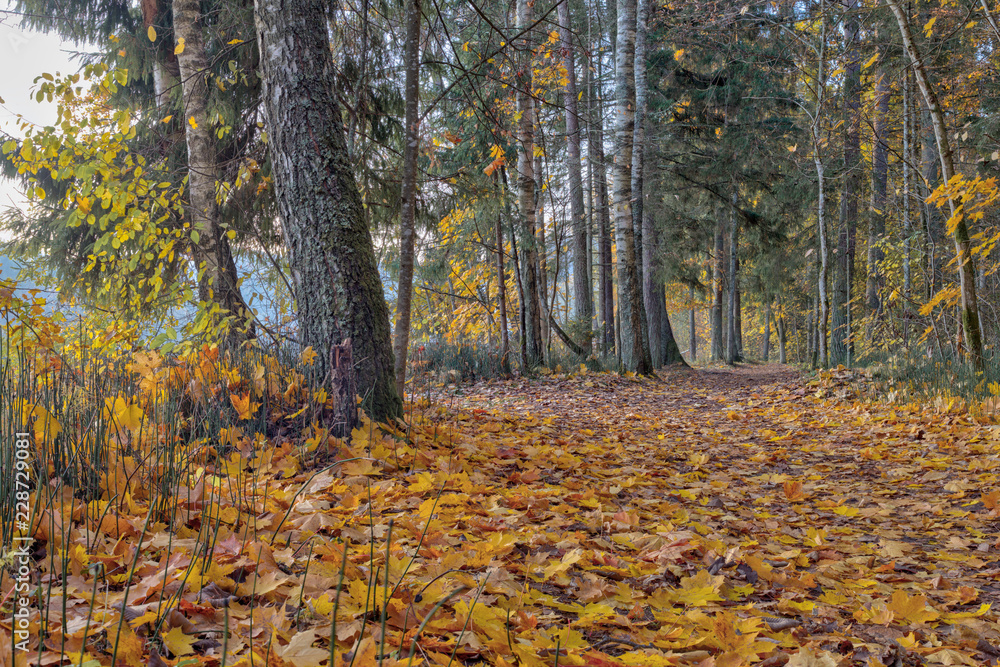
721 517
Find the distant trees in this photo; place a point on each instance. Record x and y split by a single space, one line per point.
559 179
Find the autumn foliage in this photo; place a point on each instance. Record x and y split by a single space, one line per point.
698 518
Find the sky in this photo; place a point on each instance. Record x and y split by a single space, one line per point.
25 55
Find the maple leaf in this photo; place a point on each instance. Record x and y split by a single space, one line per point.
178 642
700 589
912 609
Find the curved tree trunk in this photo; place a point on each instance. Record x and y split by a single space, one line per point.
963 245
337 285
218 282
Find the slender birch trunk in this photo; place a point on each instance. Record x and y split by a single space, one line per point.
963 245
583 304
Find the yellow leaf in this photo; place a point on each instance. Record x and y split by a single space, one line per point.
678 54
699 590
929 27
151 33
167 119
180 46
192 122
308 356
243 406
465 47
912 609
179 643
846 510
870 61
46 425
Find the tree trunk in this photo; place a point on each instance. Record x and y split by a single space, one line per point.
526 201
218 281
782 357
408 209
718 264
823 314
844 267
907 224
693 325
541 247
640 221
963 245
504 335
653 293
767 331
732 349
634 351
880 176
161 80
739 317
582 295
336 278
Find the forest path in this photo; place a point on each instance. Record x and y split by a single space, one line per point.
869 523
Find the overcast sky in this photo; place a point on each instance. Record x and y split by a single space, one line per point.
25 55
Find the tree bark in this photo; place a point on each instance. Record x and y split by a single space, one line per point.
534 351
718 264
767 331
408 210
634 351
640 220
330 252
504 336
963 245
880 177
541 247
844 267
823 314
907 224
732 348
693 326
218 281
606 297
782 357
583 302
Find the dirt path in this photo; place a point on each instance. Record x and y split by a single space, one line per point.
865 522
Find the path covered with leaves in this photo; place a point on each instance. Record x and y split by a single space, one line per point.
701 518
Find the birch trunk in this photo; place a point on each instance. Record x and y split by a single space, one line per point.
634 352
583 303
960 235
